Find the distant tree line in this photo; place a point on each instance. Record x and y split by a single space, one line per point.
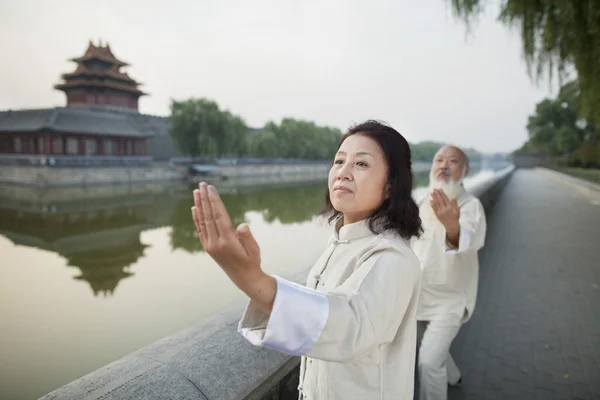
200 128
425 151
558 131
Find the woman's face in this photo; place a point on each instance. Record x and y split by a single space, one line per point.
358 178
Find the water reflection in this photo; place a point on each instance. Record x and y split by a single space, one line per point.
286 204
100 235
101 243
98 230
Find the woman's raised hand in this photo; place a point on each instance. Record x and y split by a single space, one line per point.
235 250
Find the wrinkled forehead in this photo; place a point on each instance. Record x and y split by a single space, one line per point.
450 152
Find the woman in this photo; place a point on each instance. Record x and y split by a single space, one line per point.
354 321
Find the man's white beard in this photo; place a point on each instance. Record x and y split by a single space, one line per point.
452 188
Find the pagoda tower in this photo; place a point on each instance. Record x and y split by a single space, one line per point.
98 81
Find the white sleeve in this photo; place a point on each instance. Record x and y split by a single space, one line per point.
297 319
362 313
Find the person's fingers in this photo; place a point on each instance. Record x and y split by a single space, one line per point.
209 227
435 197
247 240
455 203
196 218
443 198
199 216
434 206
220 214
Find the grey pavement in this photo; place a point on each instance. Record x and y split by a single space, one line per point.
535 333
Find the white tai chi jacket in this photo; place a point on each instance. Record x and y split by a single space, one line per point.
450 276
353 323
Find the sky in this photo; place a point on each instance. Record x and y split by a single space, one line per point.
335 62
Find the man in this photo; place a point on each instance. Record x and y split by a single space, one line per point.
454 230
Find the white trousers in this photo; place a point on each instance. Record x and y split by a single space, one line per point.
436 367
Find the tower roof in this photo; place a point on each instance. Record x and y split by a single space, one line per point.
103 53
112 72
97 78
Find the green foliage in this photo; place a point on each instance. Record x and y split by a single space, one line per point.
264 144
556 35
592 175
294 139
556 131
200 127
425 151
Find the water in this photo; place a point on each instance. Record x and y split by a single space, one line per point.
90 275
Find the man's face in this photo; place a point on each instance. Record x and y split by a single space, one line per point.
448 165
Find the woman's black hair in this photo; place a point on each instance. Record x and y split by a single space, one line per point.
398 212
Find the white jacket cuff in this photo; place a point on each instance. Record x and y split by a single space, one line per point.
298 317
463 242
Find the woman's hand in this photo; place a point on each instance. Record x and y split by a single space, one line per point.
235 250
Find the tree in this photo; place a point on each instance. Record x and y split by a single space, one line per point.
263 145
200 127
425 151
555 128
557 131
295 139
555 35
184 127
236 133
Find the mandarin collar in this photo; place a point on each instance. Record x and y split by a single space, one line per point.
347 233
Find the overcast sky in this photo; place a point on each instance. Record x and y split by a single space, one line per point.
335 62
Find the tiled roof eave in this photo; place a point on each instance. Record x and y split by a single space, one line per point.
99 133
73 85
55 130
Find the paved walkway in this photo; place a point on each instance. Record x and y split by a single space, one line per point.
535 333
